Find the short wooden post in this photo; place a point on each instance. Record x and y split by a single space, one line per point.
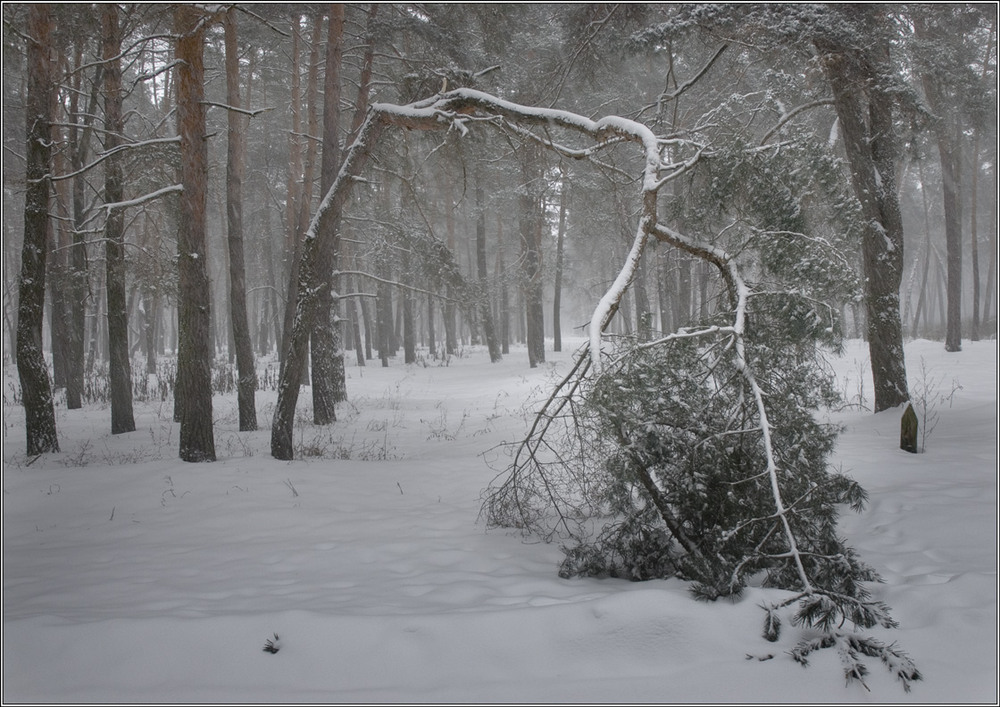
908 431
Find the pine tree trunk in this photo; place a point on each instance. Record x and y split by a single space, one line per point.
36 392
922 297
194 355
871 155
450 323
246 370
58 267
328 384
991 269
531 215
504 305
305 302
292 245
485 312
77 282
950 177
120 364
557 286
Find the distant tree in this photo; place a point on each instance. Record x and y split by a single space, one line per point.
193 388
36 391
946 51
482 270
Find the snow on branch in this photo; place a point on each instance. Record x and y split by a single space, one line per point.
791 114
244 111
144 198
109 153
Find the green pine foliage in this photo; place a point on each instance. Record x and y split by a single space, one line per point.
684 467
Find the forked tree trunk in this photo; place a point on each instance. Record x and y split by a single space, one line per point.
194 355
120 365
871 156
331 206
246 371
36 391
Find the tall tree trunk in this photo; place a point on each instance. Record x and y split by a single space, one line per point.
531 215
922 297
302 323
58 267
79 139
558 276
36 392
194 355
871 155
485 311
406 302
974 237
120 365
504 304
246 370
327 359
991 269
292 244
450 324
947 132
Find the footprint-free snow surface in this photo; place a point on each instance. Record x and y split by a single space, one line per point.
130 576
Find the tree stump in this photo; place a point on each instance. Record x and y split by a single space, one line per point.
908 431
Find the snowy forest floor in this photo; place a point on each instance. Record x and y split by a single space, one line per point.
130 576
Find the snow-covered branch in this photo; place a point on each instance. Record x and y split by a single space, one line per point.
114 151
244 111
144 198
791 114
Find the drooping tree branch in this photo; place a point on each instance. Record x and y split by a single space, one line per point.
456 110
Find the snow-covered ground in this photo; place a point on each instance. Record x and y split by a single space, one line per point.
131 576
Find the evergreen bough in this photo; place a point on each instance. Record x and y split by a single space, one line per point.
663 470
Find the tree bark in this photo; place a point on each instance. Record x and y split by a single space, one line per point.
292 245
330 207
246 370
557 286
504 304
120 365
991 268
485 311
531 218
327 359
871 155
77 285
194 355
36 391
944 129
922 297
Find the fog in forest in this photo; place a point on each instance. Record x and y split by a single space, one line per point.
677 213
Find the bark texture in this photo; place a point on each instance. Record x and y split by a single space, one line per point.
119 360
36 390
246 370
194 355
871 154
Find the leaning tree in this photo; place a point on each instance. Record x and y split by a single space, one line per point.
710 460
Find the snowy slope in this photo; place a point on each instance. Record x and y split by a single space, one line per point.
131 576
